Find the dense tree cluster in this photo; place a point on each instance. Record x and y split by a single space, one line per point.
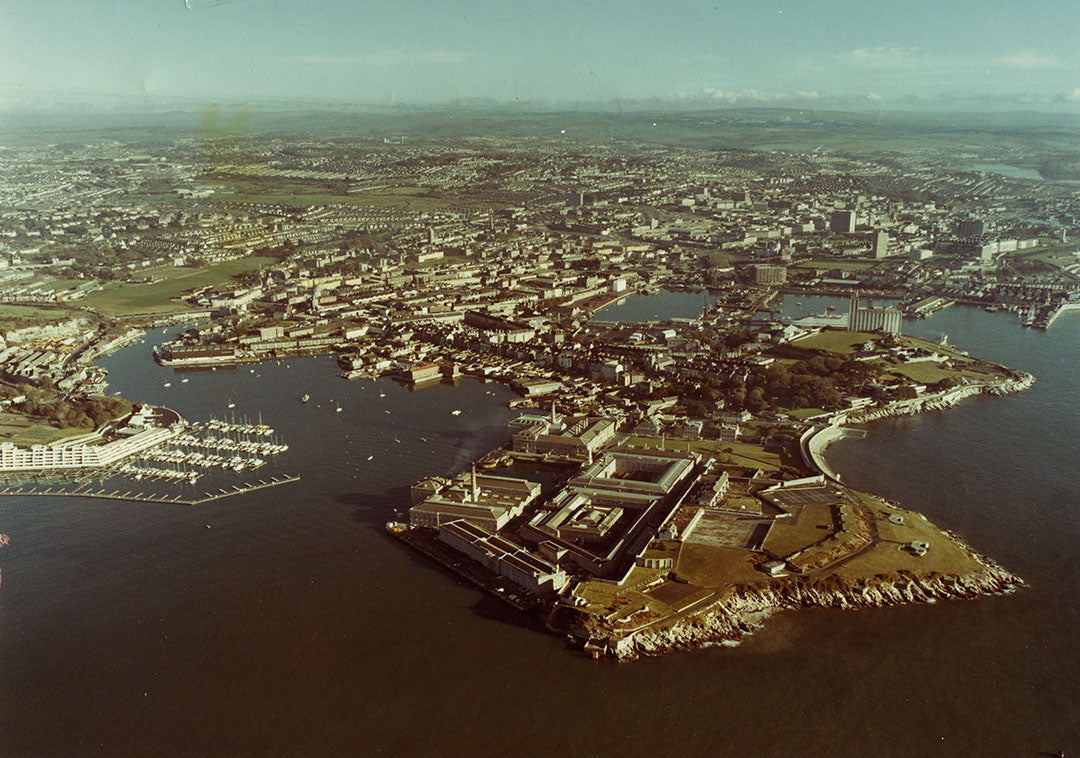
817 382
84 413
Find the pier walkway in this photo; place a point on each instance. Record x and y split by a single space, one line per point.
142 497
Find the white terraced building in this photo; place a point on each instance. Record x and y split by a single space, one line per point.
53 457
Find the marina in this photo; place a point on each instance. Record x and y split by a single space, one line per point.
215 444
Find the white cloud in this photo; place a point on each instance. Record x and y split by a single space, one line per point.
889 58
1031 60
896 58
1070 97
387 58
733 97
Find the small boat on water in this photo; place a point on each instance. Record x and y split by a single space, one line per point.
338 409
455 413
305 397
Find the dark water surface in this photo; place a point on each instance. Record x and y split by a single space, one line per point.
658 306
294 626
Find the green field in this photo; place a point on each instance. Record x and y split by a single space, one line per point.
836 341
16 316
915 342
24 431
815 523
121 299
925 373
300 193
62 284
944 556
742 453
709 566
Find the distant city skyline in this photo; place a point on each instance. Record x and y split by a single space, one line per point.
970 55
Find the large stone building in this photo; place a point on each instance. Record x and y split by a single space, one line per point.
887 320
612 509
482 499
577 440
879 244
842 222
769 274
503 557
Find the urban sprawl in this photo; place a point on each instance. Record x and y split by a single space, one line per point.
685 490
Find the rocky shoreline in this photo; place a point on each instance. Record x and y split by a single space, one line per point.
940 402
747 607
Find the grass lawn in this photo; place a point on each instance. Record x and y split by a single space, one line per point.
742 502
708 566
62 284
815 523
446 260
617 601
721 260
1057 258
742 453
926 373
944 556
24 431
15 316
120 299
835 341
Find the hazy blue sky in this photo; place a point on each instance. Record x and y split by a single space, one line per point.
992 53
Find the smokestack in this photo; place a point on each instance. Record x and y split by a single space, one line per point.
475 488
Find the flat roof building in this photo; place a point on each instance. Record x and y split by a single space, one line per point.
481 499
842 222
769 273
579 440
503 557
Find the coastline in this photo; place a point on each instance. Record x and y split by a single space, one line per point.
939 401
746 607
815 441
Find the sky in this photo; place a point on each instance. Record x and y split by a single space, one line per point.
920 54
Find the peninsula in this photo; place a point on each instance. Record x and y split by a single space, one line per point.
664 485
661 531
